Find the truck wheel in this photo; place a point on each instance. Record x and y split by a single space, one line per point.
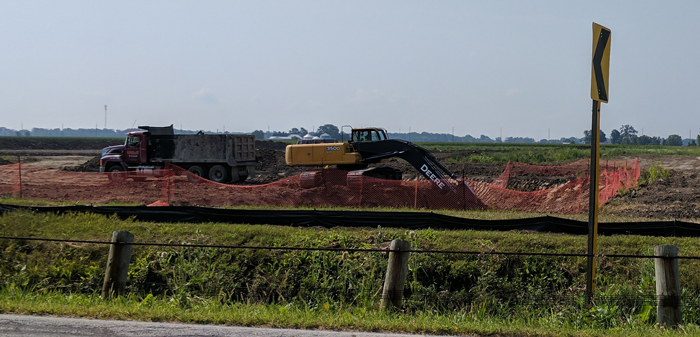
116 173
196 172
239 174
219 174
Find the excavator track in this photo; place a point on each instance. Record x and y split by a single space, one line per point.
311 179
354 178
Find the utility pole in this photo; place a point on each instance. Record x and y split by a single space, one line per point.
105 116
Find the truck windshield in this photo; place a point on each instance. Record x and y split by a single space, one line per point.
132 141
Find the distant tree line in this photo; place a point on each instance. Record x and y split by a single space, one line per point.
422 137
627 135
96 133
67 132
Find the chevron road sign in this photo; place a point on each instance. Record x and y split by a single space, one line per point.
601 63
599 93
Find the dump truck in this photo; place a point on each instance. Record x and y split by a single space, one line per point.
220 158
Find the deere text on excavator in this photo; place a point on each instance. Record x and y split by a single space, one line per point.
370 146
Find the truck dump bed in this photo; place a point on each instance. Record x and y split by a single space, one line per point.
232 149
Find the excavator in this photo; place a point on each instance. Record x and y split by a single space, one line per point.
370 146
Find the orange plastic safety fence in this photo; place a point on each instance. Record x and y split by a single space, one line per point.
327 188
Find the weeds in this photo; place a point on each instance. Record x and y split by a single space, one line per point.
445 293
654 173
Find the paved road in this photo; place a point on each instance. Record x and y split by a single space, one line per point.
42 326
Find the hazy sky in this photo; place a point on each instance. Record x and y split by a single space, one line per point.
475 66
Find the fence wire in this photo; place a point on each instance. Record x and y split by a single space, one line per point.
369 250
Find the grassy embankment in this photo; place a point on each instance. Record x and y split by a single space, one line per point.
446 293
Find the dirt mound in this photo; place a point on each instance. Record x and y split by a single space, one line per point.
269 144
271 166
92 165
531 182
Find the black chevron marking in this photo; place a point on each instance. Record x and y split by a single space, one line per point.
597 69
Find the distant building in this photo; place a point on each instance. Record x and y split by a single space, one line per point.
290 137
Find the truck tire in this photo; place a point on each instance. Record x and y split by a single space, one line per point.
219 174
116 173
239 174
196 172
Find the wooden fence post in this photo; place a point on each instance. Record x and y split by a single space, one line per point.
395 279
668 286
117 263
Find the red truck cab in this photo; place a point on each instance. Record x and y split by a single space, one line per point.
136 148
118 157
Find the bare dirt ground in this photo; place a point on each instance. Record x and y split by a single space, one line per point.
675 197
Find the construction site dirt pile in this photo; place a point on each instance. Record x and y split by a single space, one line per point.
92 165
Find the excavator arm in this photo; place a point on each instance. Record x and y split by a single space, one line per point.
418 157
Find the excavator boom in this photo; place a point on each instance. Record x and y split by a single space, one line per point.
421 159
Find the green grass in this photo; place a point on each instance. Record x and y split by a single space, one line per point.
551 154
447 293
208 311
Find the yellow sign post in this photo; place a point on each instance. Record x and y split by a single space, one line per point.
599 93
